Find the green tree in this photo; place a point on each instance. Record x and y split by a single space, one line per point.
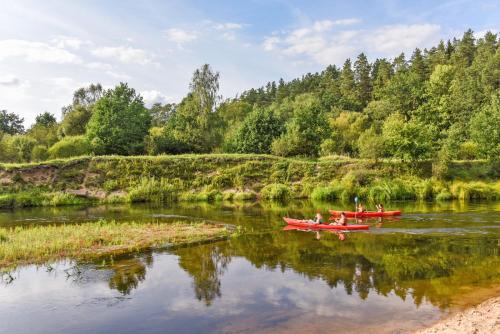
76 116
257 132
11 123
44 131
195 126
45 119
75 121
348 90
161 112
119 122
485 129
371 145
304 131
362 77
408 141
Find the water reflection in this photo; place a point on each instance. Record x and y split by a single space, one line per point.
397 274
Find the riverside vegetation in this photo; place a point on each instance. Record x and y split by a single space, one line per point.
39 244
214 177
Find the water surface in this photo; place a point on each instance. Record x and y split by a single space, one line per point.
400 275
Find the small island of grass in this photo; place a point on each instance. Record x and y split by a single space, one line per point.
40 244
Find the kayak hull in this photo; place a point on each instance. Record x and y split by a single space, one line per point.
352 214
307 224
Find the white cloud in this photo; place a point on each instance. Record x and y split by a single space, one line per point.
36 52
180 36
347 21
9 80
321 43
125 54
99 66
153 96
228 26
270 43
397 38
481 33
64 42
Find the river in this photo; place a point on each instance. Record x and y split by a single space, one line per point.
402 274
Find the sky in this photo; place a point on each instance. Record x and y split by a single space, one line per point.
50 48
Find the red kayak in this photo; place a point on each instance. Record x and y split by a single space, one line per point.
308 224
352 214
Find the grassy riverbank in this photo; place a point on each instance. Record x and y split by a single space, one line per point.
212 177
39 244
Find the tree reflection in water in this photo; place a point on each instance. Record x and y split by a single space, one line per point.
206 264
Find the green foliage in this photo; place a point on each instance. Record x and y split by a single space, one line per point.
276 192
485 129
10 123
152 190
39 153
371 145
257 132
304 131
119 123
409 141
71 146
16 148
328 193
75 121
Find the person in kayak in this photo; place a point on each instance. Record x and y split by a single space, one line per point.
340 221
361 208
318 219
380 207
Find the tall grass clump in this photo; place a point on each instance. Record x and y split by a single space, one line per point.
152 190
387 190
276 192
207 194
473 190
327 193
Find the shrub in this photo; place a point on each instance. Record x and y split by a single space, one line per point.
152 190
328 193
72 146
444 195
276 192
39 153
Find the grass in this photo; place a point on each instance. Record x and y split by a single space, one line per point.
39 244
213 177
276 192
33 198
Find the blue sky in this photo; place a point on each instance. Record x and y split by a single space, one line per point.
49 48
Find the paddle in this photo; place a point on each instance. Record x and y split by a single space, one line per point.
355 206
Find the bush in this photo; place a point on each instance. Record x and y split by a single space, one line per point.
39 153
328 193
152 190
72 146
275 192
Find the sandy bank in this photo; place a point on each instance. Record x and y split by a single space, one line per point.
484 318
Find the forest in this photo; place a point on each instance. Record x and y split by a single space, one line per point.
440 104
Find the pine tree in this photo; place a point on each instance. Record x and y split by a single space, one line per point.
362 78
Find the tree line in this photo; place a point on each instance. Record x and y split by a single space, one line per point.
442 103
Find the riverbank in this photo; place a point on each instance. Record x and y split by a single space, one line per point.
237 177
40 244
483 318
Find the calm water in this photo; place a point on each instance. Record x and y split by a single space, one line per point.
400 275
